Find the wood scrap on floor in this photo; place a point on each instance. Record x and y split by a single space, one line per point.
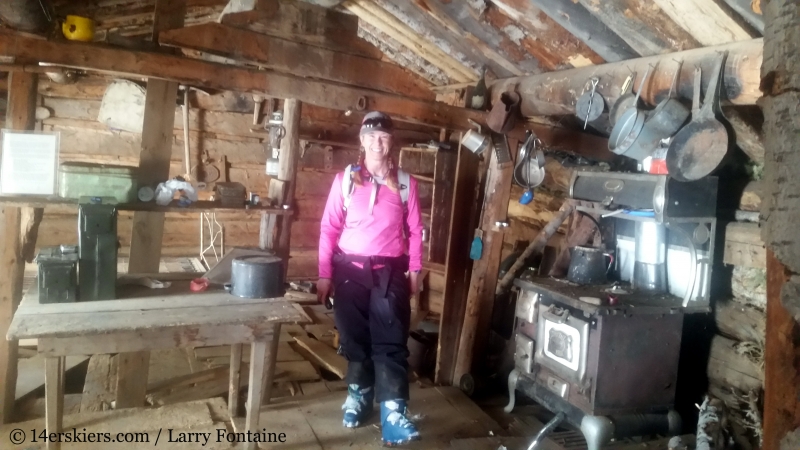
100 386
221 354
324 333
214 382
166 364
320 314
324 355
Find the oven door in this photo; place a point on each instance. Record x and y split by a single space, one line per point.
562 343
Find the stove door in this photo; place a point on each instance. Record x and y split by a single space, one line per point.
562 343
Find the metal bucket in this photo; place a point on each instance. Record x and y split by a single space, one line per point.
257 276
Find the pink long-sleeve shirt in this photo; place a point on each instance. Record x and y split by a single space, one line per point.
358 233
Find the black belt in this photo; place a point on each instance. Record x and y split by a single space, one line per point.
365 276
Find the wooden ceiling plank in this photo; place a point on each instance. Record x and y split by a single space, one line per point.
465 26
554 47
402 55
642 24
716 26
578 21
460 49
555 93
298 59
200 73
308 24
750 11
389 24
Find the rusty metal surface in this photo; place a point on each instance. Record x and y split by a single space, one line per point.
637 363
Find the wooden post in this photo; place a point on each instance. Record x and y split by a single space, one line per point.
781 207
148 227
480 301
20 115
266 232
290 151
458 265
443 189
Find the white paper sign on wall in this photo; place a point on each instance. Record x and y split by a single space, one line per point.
122 107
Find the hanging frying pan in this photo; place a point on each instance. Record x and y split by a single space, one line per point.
662 122
700 146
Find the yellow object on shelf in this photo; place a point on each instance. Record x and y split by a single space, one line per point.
77 28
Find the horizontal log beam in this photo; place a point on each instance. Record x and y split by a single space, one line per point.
201 73
298 59
555 93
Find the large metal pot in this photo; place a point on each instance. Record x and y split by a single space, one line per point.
257 276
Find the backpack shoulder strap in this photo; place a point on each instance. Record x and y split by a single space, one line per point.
404 179
347 186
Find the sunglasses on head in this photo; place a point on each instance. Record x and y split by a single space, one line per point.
378 122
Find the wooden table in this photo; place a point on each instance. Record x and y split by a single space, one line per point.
149 319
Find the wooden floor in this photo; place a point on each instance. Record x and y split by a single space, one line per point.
310 422
442 414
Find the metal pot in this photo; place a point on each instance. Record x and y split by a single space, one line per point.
475 141
587 265
257 276
628 127
626 100
662 122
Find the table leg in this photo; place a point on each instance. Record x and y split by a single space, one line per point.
262 369
270 362
235 378
54 397
258 350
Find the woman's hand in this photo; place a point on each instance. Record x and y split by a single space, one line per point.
323 289
413 282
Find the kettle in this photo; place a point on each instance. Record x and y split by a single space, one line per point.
587 265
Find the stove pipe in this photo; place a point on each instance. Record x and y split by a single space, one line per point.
649 269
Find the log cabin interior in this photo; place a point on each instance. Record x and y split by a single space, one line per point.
593 277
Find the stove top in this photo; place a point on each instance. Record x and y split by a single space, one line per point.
633 302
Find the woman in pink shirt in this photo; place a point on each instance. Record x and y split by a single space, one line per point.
372 216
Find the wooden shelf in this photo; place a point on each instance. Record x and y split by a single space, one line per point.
202 205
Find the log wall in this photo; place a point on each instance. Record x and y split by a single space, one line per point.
220 131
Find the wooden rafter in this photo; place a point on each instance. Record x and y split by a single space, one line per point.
298 59
705 21
200 73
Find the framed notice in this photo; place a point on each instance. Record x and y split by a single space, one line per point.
28 162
